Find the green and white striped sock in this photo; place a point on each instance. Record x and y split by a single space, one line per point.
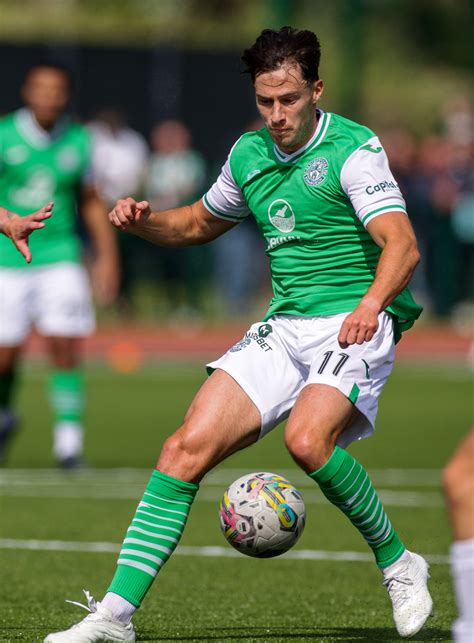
347 485
66 391
152 536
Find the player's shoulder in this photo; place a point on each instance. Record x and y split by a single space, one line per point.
7 121
247 153
255 141
349 135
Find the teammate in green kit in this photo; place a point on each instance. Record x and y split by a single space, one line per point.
44 157
342 252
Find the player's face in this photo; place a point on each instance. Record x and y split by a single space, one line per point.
46 93
287 104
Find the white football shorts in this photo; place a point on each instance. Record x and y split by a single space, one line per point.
55 298
275 360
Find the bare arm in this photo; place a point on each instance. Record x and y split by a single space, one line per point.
186 226
105 270
18 228
394 234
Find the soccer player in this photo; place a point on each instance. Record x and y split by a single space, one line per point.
45 157
342 252
458 482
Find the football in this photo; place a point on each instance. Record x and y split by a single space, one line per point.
262 515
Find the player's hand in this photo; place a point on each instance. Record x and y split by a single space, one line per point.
128 212
360 326
19 228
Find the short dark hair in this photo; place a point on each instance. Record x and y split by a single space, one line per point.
274 48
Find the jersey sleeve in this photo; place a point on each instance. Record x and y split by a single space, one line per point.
225 199
367 180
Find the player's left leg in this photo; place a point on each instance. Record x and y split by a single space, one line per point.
338 405
319 416
64 315
66 393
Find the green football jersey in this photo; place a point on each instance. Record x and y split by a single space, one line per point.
37 167
313 207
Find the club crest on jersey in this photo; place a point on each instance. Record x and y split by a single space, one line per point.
316 171
281 215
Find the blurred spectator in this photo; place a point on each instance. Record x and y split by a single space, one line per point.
447 170
119 160
176 176
120 155
402 151
240 268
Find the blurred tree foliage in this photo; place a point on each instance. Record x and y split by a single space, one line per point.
378 55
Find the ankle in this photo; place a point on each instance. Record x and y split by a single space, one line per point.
120 608
403 559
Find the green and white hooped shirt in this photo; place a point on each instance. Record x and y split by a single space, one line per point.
313 207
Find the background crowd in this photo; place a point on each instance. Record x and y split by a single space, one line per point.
435 172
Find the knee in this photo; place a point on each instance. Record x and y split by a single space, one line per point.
178 449
184 455
458 479
310 448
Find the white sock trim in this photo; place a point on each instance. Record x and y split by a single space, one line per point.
404 558
120 609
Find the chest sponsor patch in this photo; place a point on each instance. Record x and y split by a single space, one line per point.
15 155
281 215
316 171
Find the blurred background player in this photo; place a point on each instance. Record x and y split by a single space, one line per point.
45 157
119 161
458 482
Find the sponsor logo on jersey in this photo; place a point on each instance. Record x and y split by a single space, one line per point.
259 338
37 190
316 171
15 155
251 174
281 215
273 242
68 159
264 330
381 187
370 148
244 342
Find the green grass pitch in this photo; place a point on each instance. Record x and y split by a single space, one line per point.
219 597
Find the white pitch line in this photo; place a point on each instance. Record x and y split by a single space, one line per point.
422 499
209 552
222 476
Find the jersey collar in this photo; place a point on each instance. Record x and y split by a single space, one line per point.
32 130
314 141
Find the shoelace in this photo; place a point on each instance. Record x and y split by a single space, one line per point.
91 606
398 593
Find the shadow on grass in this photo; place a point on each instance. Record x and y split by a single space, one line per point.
359 634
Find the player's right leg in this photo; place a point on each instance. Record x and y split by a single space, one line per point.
15 316
8 418
222 419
